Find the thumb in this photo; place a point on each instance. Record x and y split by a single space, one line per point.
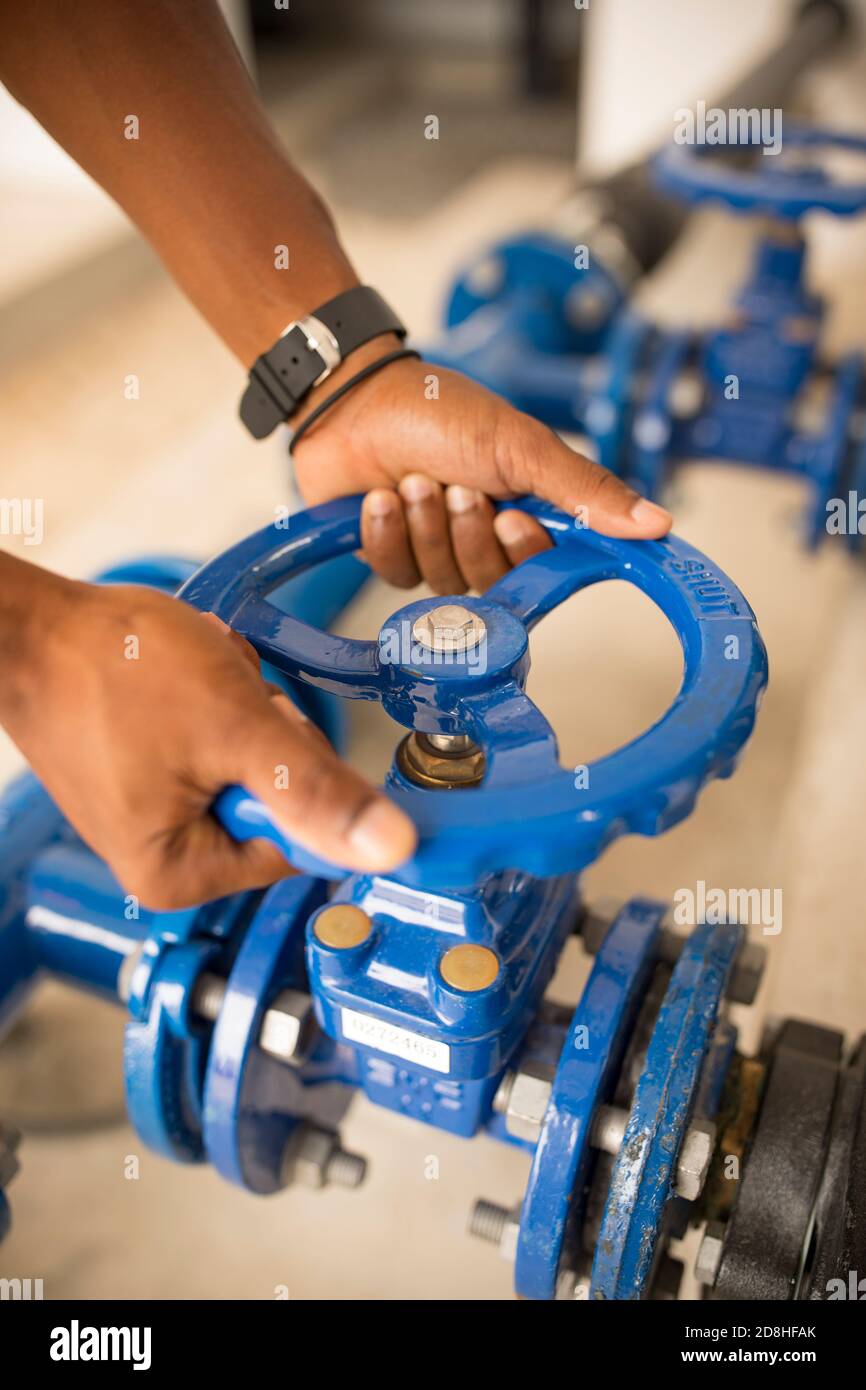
531 458
316 799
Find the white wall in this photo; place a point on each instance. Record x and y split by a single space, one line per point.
644 60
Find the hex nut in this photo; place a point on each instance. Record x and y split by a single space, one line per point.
314 1158
287 1025
696 1155
449 628
308 1155
747 973
527 1101
709 1257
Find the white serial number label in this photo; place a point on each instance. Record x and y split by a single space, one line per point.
398 1042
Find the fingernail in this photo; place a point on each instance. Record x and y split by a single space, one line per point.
288 707
382 836
380 502
417 487
461 499
649 517
216 621
511 527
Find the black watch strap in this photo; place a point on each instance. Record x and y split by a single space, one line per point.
308 350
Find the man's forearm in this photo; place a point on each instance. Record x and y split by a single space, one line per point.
206 180
32 601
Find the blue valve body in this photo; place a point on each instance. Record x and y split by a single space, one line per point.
425 1048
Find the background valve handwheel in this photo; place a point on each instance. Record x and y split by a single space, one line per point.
774 184
475 689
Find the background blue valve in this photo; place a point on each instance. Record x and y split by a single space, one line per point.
527 813
772 184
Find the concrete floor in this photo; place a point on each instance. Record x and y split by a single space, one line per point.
173 471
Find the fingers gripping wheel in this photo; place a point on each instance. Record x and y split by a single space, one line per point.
781 183
525 812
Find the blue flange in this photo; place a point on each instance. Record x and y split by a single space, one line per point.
608 409
831 449
645 787
164 1055
252 1102
585 1076
531 288
642 1183
165 1045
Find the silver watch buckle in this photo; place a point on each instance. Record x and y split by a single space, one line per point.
320 339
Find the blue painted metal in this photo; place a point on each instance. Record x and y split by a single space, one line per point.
608 413
487 873
642 1183
394 981
538 287
752 374
163 572
165 1045
253 1102
62 911
585 1078
644 788
523 315
771 185
80 925
29 822
164 1055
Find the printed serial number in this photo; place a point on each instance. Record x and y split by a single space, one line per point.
397 1042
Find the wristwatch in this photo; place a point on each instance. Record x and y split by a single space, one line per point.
307 351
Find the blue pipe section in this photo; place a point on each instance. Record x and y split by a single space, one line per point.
29 821
79 923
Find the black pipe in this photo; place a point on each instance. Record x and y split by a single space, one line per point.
646 220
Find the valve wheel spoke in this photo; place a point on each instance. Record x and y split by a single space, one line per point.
518 742
547 579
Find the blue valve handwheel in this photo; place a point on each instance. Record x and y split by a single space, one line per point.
691 172
527 813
